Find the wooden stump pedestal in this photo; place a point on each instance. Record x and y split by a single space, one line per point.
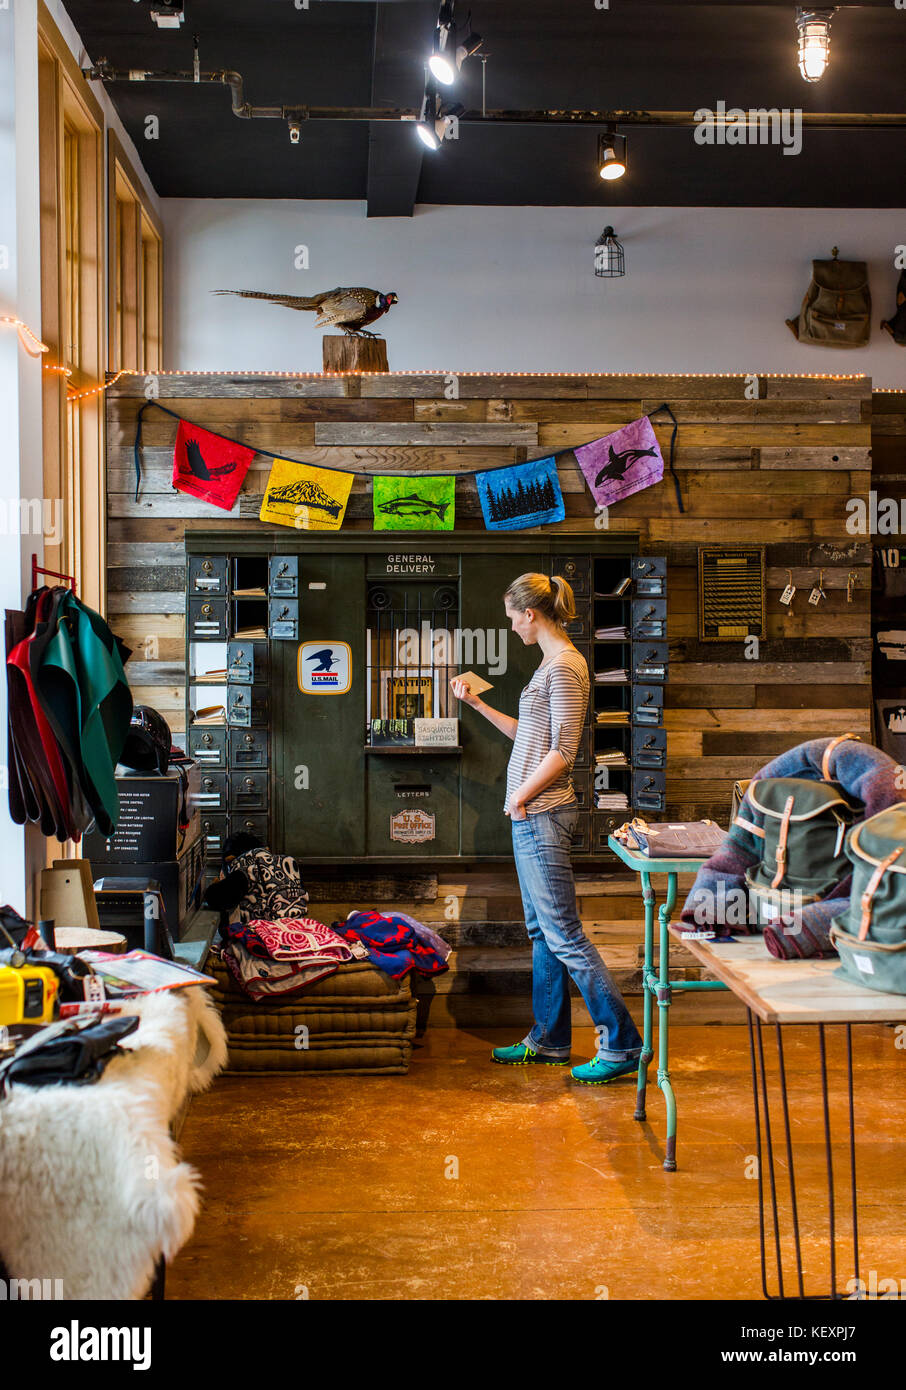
343 354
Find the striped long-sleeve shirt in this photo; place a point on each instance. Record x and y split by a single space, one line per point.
552 710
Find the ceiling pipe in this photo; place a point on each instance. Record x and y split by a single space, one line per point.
829 120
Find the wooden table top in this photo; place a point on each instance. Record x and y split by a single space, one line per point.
792 991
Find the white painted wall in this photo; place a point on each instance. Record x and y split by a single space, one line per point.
20 375
513 289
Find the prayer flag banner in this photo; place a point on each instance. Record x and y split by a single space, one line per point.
308 498
209 466
521 495
414 504
622 463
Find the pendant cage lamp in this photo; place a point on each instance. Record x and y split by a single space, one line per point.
610 258
814 41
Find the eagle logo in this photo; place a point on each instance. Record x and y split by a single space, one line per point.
325 659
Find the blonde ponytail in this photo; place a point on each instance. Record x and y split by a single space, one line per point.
552 597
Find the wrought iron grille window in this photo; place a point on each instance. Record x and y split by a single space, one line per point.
411 646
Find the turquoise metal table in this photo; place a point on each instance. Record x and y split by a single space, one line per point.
656 982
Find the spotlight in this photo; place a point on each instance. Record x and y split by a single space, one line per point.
168 14
435 120
431 128
611 160
469 45
447 56
295 132
442 60
814 41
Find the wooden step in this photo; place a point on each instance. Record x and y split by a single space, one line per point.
508 970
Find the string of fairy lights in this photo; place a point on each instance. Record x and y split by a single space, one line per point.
33 345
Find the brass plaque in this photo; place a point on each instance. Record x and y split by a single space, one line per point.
731 594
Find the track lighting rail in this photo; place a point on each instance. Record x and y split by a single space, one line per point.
829 120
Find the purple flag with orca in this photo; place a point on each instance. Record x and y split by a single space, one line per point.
622 463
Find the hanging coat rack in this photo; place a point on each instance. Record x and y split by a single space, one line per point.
37 569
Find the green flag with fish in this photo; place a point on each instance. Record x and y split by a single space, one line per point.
414 504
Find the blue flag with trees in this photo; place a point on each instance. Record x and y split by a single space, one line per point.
520 495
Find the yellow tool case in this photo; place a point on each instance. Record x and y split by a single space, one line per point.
27 995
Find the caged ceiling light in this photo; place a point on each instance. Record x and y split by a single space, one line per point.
610 258
612 154
814 41
447 56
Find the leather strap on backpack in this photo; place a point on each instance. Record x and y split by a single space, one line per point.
831 749
872 888
781 843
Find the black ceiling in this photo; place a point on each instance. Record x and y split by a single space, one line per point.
632 55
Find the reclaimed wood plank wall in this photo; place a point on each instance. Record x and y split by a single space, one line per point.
773 471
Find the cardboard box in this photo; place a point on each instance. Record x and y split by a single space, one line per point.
148 828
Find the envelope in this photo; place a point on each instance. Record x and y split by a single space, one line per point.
477 684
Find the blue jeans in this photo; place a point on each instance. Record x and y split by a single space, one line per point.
560 948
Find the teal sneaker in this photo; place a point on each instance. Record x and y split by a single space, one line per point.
522 1056
597 1072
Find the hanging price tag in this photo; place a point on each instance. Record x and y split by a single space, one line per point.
93 985
787 595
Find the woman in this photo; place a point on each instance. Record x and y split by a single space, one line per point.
541 804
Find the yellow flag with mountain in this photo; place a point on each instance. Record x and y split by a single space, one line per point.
306 497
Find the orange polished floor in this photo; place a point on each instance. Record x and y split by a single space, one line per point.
466 1180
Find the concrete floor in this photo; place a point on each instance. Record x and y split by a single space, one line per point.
466 1180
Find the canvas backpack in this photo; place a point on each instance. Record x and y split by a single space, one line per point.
836 310
804 829
871 936
896 326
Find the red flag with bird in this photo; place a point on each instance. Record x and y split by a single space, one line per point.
209 466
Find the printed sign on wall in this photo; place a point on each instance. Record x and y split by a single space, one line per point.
412 827
324 668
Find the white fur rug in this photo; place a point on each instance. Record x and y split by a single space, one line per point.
92 1189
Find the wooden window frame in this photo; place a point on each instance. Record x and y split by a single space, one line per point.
134 268
74 467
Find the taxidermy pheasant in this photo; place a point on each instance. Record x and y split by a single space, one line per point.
349 309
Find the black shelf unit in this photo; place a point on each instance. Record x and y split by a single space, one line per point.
243 602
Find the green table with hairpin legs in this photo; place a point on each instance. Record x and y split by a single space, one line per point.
656 983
